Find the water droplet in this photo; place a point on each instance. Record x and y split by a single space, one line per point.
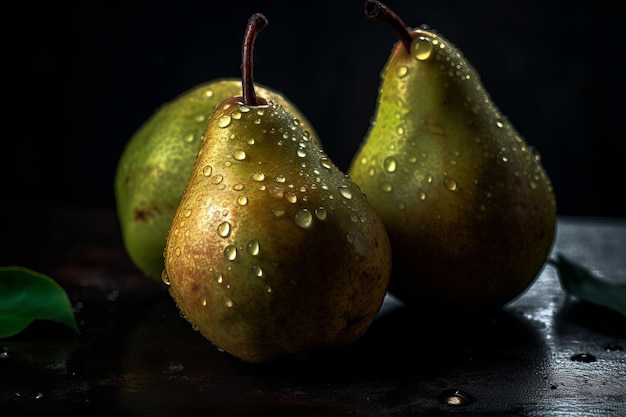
450 184
207 170
301 153
326 163
257 271
187 213
402 71
422 195
291 197
204 302
251 141
278 213
223 121
228 302
320 213
208 93
386 187
230 252
390 164
258 176
239 155
242 200
345 192
189 138
224 229
253 247
217 179
499 123
280 178
303 219
371 171
455 398
165 278
238 187
422 48
219 278
583 357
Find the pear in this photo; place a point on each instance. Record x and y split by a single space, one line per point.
468 207
156 162
272 250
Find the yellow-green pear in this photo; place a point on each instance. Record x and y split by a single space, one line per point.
467 204
273 250
155 165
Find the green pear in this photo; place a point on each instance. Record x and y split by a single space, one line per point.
467 204
273 250
155 165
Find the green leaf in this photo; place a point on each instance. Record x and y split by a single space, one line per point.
26 295
580 282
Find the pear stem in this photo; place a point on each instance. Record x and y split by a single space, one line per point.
256 23
375 10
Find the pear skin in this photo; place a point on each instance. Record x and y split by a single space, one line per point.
273 250
467 204
155 165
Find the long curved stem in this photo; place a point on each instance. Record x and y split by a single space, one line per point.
376 10
256 23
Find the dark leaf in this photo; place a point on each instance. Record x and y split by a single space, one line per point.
26 295
584 285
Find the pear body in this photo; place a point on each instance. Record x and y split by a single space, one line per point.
155 165
273 250
468 207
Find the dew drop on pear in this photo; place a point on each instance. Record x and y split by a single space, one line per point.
239 155
422 48
223 230
207 170
257 271
345 192
304 219
253 247
230 252
390 164
320 213
224 121
258 176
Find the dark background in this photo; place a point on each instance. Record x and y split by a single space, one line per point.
81 77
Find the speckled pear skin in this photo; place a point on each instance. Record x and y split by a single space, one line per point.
467 204
273 250
155 165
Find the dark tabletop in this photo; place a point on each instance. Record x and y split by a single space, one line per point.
544 354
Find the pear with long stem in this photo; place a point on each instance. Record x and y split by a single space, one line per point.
273 250
467 204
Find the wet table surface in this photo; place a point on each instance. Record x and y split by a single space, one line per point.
136 355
